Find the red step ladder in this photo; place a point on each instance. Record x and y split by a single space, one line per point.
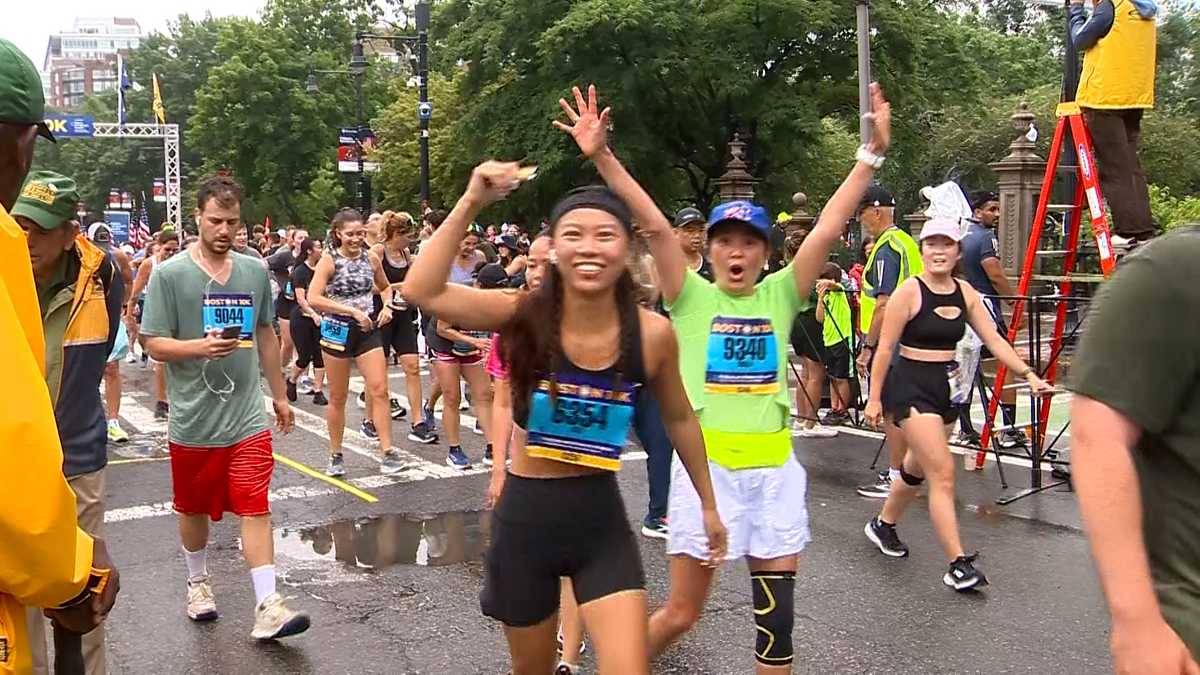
1070 120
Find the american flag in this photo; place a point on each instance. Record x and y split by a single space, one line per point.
139 232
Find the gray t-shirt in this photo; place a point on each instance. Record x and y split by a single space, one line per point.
181 303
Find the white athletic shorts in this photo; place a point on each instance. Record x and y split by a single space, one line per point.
764 511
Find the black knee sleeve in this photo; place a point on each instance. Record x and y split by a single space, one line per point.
774 614
910 479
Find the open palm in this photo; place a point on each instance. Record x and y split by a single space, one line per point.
589 125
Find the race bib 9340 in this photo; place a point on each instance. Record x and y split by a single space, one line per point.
743 357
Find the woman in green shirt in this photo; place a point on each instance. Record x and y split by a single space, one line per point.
733 337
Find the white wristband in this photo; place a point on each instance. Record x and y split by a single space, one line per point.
869 158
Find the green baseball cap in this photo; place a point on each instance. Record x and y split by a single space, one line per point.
21 97
48 199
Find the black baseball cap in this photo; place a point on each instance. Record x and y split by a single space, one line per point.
689 216
978 199
877 195
492 275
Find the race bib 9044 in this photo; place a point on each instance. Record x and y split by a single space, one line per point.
743 357
587 422
219 310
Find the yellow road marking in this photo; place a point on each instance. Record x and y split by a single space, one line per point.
308 471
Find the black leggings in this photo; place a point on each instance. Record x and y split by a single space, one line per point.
306 334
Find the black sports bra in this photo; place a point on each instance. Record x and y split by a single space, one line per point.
928 329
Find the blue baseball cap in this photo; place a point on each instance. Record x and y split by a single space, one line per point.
742 212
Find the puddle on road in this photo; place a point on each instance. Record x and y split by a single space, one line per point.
396 539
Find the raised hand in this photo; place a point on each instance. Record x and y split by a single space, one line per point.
881 121
493 181
589 125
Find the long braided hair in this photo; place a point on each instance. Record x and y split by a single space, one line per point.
531 341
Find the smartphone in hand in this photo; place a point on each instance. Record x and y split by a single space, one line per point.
230 332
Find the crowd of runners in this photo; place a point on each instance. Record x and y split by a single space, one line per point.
609 317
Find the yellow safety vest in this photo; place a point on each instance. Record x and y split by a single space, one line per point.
1118 72
910 265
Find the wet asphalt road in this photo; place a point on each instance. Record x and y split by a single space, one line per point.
392 585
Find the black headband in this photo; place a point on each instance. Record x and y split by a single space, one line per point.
592 197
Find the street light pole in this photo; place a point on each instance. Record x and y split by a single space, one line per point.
423 92
864 69
358 69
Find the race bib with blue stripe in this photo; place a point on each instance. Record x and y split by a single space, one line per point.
587 423
335 332
219 310
743 357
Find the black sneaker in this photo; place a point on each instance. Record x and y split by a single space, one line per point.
487 456
291 391
884 536
836 418
162 410
398 411
421 434
880 489
319 398
962 575
655 528
368 430
1013 438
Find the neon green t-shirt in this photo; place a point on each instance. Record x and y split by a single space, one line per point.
733 358
836 326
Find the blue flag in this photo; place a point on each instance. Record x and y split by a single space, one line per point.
122 85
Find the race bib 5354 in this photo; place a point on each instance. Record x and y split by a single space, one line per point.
586 423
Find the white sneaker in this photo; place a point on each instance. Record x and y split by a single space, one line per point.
115 433
1120 243
305 385
273 619
131 358
817 431
200 603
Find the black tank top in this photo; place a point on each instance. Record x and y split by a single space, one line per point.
393 273
569 372
928 330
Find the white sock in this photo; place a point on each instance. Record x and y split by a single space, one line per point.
263 579
894 474
197 563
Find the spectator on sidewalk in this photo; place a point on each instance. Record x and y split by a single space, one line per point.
982 269
1116 88
80 291
45 559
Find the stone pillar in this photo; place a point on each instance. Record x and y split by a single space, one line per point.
801 219
737 181
1019 180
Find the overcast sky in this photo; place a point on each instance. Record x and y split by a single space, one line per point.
29 24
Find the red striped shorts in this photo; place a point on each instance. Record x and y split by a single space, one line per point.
213 481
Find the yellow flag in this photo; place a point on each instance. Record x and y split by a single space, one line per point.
160 112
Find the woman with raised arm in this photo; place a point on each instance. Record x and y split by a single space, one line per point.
733 337
926 316
579 351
